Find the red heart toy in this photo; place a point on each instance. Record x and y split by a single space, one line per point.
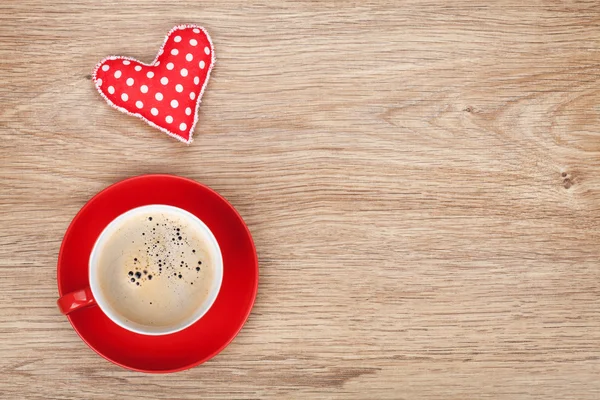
166 93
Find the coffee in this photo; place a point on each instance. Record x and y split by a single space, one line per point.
155 269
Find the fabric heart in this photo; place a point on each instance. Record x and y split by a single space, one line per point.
166 93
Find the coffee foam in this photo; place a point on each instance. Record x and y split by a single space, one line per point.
155 269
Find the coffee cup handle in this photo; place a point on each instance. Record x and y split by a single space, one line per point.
76 300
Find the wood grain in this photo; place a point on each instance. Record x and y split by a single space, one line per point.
422 180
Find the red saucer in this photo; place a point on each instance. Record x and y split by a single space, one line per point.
216 329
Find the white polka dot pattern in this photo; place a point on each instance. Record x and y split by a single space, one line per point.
182 67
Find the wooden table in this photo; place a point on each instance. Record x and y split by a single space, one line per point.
422 180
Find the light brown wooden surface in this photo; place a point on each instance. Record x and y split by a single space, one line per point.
422 180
